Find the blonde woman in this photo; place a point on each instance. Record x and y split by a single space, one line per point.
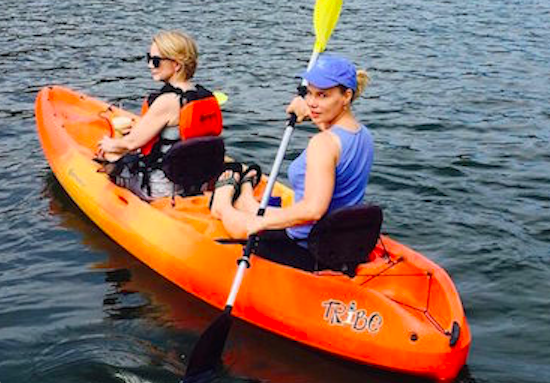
166 115
332 172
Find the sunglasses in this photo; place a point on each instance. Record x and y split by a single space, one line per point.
155 59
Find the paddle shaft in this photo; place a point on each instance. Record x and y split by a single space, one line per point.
209 348
244 262
325 18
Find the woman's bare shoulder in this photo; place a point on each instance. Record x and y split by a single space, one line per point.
165 102
324 140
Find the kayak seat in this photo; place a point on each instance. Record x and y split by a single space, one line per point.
345 237
194 165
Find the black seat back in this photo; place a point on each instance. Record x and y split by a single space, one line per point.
345 237
194 163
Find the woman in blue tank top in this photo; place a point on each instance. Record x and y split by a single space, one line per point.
332 172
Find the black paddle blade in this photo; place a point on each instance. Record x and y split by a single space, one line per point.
208 351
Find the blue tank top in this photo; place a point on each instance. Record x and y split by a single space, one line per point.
352 175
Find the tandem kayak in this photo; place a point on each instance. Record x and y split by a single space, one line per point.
400 312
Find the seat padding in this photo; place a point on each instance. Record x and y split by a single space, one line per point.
345 237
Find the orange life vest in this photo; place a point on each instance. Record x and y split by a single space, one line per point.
200 114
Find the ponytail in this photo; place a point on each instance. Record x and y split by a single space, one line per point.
362 82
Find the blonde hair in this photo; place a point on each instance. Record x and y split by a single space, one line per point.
362 82
181 48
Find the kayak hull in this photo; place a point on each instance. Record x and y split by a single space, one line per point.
401 312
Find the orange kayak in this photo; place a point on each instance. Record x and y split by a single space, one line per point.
400 312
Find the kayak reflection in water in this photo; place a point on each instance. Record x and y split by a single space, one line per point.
166 116
332 172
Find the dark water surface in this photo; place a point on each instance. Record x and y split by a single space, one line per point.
459 107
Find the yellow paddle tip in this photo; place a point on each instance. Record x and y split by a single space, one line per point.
325 17
220 97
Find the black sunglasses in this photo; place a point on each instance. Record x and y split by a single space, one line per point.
155 59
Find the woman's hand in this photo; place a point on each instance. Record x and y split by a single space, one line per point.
107 145
109 149
299 107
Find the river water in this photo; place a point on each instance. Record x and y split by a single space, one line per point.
459 109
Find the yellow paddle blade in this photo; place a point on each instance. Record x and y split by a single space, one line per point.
325 17
220 97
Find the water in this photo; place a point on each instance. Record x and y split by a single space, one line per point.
459 109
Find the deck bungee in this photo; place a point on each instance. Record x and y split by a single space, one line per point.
401 312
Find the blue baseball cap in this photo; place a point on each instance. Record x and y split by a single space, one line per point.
329 71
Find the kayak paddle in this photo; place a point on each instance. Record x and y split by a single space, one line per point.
208 351
220 97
